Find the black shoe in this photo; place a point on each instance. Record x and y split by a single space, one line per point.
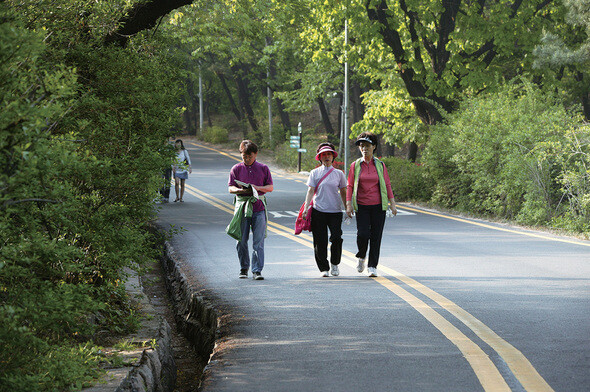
257 276
243 274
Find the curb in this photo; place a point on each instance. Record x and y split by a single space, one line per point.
196 319
156 370
153 369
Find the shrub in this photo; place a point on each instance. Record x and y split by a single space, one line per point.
574 178
509 154
217 135
80 164
408 180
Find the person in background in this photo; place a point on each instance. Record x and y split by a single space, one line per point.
166 176
369 195
181 169
328 198
165 190
249 211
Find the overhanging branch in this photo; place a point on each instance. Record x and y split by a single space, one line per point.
142 16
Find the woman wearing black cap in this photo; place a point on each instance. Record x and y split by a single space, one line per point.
369 194
327 188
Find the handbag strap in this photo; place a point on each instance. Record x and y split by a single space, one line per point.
322 179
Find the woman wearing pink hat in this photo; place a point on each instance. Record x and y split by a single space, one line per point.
327 188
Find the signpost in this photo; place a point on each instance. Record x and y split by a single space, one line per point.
297 142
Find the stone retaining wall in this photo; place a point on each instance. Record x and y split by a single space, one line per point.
196 319
156 370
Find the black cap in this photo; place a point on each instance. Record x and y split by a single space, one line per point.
363 139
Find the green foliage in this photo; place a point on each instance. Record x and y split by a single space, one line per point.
289 157
45 367
573 157
390 113
83 136
405 52
554 51
217 135
510 155
564 56
408 180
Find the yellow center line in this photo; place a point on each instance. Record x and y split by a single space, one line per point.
522 369
217 151
485 370
487 226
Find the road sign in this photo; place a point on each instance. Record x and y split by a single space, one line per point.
302 150
294 138
294 145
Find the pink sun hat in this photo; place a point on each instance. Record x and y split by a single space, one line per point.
325 149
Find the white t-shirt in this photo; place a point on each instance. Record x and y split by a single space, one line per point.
327 196
183 162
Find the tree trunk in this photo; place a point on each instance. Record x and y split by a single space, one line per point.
412 152
191 108
244 98
388 150
325 117
426 111
340 103
187 122
584 96
358 109
230 97
285 119
208 114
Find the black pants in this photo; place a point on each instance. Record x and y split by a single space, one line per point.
165 190
370 221
320 223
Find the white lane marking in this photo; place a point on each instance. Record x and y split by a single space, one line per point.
293 214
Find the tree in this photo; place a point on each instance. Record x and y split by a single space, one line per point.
246 44
571 59
83 133
439 50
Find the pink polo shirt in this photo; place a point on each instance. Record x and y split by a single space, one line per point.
368 193
257 174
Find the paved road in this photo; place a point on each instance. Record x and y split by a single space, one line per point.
460 305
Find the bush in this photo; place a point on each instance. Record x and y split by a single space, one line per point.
573 155
508 155
82 134
408 180
215 135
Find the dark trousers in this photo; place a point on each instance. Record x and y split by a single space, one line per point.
370 221
320 223
165 190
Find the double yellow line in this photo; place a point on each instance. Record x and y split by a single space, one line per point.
485 370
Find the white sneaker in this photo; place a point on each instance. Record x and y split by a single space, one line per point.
360 267
372 272
335 271
325 274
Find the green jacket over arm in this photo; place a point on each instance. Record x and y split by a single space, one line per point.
243 209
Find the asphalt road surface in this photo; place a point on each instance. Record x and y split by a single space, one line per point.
459 304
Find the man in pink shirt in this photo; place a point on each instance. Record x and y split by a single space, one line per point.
252 213
369 194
